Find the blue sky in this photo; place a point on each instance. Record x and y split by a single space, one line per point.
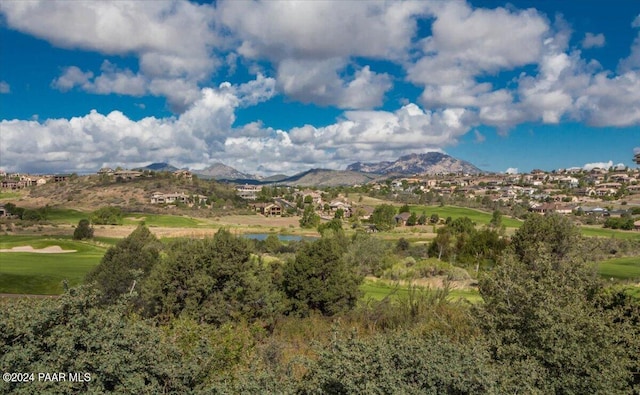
281 87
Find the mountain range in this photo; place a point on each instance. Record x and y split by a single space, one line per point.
428 163
162 166
355 173
220 171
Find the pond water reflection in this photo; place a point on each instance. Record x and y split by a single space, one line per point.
263 236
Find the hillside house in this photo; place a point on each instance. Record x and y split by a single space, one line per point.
185 174
633 189
127 174
401 219
604 191
169 198
316 196
106 171
544 208
248 192
267 209
336 205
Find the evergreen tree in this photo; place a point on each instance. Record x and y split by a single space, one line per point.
309 218
319 279
383 217
83 231
545 329
127 263
212 280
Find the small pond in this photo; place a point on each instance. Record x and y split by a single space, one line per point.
263 236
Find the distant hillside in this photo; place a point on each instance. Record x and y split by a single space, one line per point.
88 193
428 163
158 167
274 178
220 171
326 178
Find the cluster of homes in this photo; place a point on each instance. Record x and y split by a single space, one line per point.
120 174
562 191
279 205
20 181
14 181
177 198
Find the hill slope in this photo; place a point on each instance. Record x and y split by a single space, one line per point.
325 178
427 163
220 171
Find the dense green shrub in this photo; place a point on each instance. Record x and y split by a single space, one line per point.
400 363
127 263
319 279
83 231
110 215
540 314
213 280
121 354
383 217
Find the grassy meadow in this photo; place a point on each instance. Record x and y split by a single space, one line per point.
66 216
477 216
163 220
597 231
9 195
620 268
378 290
72 217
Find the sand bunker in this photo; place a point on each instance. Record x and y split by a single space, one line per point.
46 250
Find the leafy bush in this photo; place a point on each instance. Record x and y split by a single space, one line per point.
369 254
400 363
111 215
83 231
319 279
72 333
619 223
126 264
214 280
544 328
457 274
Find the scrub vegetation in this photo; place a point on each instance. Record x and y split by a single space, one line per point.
345 313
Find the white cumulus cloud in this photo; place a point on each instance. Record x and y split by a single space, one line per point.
593 40
597 165
172 39
4 87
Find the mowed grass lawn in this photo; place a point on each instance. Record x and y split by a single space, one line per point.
597 231
66 215
163 220
620 268
477 216
72 217
483 218
378 290
43 274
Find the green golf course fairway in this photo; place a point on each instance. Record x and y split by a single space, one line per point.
44 273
